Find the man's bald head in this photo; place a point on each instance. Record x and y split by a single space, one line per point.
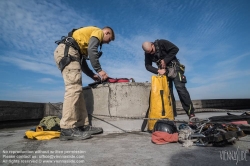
148 47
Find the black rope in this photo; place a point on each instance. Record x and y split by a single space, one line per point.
109 123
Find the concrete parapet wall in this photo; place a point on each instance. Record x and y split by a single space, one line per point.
13 110
116 99
219 103
132 99
111 99
54 109
223 103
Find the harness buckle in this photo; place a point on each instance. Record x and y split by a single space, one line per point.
172 64
67 40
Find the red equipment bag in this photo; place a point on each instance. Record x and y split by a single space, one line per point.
114 80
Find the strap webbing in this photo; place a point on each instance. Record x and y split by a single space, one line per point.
66 50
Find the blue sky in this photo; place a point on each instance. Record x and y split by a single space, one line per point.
213 37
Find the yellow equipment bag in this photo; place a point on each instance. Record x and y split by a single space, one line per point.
160 101
40 134
48 128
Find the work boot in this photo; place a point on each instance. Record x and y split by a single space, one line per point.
192 119
191 115
92 130
74 134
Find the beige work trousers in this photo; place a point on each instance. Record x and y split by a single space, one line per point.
74 111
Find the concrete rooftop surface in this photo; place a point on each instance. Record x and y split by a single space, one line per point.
121 148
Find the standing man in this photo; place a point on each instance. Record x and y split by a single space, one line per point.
163 53
70 57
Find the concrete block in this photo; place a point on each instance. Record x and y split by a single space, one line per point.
97 99
118 99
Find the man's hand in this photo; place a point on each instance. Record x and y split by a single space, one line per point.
163 64
96 78
103 75
162 71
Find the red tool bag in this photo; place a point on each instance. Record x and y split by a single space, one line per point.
114 80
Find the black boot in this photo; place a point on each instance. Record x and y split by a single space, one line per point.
74 134
191 116
92 130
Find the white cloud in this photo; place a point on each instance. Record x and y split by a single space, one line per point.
218 77
46 80
27 29
232 62
33 66
220 90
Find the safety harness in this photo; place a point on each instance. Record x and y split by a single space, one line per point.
69 41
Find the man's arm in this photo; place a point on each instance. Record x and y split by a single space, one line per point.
85 68
93 54
94 57
171 50
148 64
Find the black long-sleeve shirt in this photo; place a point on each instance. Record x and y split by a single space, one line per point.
168 52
